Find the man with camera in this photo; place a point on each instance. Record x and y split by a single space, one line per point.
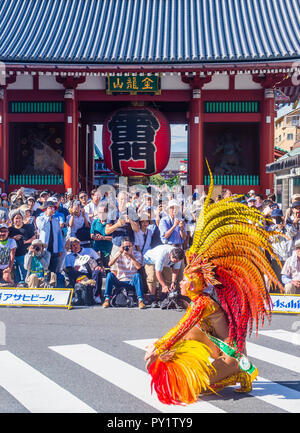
281 243
36 263
121 222
172 227
291 272
173 230
162 265
293 224
128 261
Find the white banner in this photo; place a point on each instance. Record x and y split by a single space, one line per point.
285 303
14 296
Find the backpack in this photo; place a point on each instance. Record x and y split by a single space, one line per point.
83 294
122 298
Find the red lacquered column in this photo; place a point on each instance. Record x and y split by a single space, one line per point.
195 151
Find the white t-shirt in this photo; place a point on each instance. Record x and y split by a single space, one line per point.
92 208
5 249
78 222
160 257
70 260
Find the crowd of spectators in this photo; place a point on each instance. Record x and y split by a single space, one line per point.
134 240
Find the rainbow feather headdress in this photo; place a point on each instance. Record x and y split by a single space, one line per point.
229 252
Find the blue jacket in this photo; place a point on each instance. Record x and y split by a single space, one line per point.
43 226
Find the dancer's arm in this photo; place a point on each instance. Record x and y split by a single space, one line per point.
202 307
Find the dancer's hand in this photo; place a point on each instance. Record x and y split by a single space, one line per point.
150 355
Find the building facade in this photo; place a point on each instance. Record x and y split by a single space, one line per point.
287 130
286 171
216 65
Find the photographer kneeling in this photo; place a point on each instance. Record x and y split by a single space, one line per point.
36 263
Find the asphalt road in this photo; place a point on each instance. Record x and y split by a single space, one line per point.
91 360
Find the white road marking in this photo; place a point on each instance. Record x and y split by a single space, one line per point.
35 391
277 395
127 377
274 357
270 392
281 334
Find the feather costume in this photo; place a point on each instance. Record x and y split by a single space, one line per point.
229 252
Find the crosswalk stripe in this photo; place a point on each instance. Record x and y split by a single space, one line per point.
33 390
38 393
142 343
265 390
281 334
275 357
277 395
125 376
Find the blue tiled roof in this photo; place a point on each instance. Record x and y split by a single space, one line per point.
148 31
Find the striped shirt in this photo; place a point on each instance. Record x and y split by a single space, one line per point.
125 267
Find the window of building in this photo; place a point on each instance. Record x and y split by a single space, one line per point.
296 185
290 136
295 120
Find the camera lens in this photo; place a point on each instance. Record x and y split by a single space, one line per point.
37 248
126 248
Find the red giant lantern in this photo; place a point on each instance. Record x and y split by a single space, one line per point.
136 141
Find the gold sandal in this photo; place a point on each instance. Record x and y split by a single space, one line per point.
244 379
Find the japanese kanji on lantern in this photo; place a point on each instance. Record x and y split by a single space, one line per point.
136 141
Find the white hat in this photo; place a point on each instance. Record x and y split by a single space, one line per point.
38 242
297 244
172 203
15 212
